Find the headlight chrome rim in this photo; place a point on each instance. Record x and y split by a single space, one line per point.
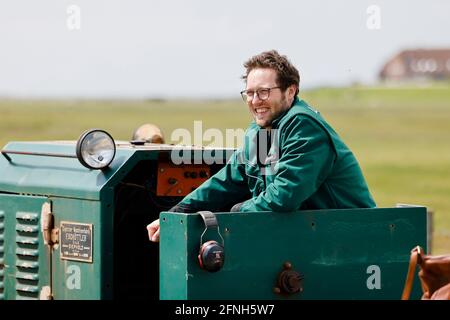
98 161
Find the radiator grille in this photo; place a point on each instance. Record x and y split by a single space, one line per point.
27 253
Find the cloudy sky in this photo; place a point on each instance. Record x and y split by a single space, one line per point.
187 48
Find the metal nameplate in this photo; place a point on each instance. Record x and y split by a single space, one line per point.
76 241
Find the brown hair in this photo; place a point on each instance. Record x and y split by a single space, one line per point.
287 74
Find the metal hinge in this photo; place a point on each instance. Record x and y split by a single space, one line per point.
49 232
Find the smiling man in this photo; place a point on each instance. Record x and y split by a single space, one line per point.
291 159
266 97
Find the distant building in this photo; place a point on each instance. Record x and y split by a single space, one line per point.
421 64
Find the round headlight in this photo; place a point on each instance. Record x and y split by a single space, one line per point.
95 149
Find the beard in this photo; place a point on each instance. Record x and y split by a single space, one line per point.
276 109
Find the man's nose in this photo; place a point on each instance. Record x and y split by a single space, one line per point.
255 99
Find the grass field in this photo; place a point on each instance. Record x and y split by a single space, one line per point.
401 136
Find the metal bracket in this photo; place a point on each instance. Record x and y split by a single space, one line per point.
49 232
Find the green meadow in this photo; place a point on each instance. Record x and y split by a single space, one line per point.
401 136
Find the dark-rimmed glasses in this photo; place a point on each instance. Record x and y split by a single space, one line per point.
262 93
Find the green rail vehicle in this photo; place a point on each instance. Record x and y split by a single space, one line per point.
73 218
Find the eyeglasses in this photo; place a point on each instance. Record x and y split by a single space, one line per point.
262 93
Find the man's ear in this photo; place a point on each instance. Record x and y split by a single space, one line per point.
292 89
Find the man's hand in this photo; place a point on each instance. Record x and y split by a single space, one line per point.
237 207
153 231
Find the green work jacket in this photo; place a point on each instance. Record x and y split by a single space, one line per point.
302 165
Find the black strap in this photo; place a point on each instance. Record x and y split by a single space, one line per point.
209 219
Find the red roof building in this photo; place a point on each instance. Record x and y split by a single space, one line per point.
421 64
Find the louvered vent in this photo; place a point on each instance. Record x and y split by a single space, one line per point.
2 255
27 252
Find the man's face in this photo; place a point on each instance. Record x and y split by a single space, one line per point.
265 111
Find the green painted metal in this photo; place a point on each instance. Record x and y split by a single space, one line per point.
339 252
55 176
74 280
66 177
24 258
173 256
334 249
77 195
